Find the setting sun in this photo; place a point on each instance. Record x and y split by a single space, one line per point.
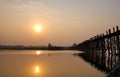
38 28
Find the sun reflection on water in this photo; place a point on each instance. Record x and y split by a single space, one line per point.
37 69
38 52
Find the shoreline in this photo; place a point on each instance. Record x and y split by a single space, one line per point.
34 48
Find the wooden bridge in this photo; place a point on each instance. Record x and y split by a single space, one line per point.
103 50
102 42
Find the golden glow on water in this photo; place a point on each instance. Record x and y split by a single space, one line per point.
38 52
37 69
60 64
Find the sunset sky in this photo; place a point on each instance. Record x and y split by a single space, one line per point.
63 22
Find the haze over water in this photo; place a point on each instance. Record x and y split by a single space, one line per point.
63 22
31 24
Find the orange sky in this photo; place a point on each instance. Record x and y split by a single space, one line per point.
64 22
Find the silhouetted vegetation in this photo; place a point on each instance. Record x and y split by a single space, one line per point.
20 47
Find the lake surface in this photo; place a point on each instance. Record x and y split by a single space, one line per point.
42 63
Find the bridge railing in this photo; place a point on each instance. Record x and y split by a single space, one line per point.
108 41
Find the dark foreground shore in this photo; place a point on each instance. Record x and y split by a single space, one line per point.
115 72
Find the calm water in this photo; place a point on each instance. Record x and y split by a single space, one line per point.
42 63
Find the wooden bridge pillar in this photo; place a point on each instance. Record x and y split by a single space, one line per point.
118 40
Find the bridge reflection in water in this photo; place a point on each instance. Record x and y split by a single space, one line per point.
103 62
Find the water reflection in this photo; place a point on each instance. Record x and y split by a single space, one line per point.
38 52
37 69
59 64
103 62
